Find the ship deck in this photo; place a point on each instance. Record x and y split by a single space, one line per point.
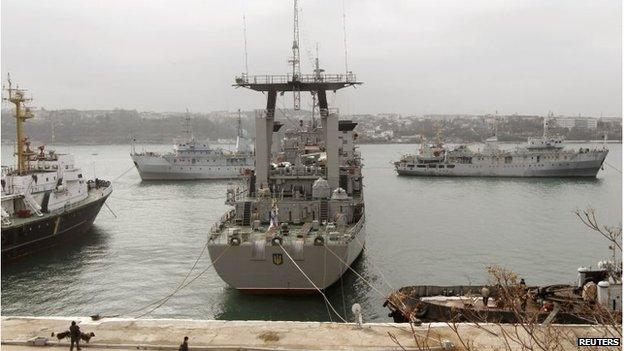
297 233
93 195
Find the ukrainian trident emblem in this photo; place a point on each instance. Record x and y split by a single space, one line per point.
278 259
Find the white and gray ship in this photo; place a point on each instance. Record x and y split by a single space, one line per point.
298 224
545 156
192 160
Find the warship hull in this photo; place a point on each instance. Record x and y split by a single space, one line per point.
159 168
588 167
40 233
275 273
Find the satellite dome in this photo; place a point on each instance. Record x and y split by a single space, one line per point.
340 194
320 189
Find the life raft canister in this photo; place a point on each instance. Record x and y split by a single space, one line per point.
319 241
235 241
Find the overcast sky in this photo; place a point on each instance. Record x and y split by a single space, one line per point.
415 56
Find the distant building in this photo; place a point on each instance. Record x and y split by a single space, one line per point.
577 122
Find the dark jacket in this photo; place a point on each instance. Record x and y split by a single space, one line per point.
74 331
183 346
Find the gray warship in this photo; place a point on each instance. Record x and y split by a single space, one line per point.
298 224
45 198
543 156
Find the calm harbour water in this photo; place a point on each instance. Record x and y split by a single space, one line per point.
420 231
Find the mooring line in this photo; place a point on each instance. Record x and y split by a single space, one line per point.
180 287
311 282
610 165
110 209
356 273
121 175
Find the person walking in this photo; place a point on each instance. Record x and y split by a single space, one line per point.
184 345
485 295
74 334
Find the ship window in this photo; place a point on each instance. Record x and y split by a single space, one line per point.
450 166
420 166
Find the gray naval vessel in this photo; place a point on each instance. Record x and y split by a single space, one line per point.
299 223
45 198
192 160
545 156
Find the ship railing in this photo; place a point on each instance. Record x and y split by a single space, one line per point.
219 225
302 78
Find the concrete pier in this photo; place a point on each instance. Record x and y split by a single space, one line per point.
167 334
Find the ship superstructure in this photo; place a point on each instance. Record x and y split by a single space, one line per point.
45 198
298 224
192 159
543 156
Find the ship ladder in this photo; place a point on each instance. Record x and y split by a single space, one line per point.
247 213
30 201
324 210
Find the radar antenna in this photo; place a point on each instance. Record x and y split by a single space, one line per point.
295 60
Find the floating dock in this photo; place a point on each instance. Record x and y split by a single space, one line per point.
19 333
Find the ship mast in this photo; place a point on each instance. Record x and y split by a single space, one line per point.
239 127
17 97
295 60
188 130
272 85
318 78
546 131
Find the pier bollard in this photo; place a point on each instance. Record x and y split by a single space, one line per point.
357 312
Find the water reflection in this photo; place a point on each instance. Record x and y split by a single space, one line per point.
236 305
68 255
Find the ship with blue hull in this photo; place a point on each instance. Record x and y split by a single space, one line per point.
46 201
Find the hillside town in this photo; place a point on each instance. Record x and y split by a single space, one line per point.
121 126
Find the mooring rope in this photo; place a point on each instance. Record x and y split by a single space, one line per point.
612 166
180 287
121 175
356 273
383 295
311 282
383 277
